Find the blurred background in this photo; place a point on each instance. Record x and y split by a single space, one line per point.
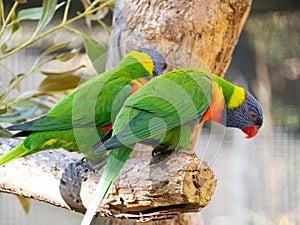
258 179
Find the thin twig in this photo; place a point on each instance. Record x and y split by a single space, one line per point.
8 18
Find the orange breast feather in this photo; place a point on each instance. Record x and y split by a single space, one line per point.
214 111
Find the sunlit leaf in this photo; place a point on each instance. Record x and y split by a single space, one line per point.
66 56
27 95
62 57
33 13
56 48
30 14
63 73
4 48
25 203
49 8
59 83
96 52
3 108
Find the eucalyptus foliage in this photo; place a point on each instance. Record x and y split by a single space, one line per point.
33 103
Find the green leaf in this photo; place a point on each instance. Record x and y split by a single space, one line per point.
33 13
66 56
4 133
96 52
3 108
25 203
63 73
55 48
7 36
21 111
15 24
27 95
15 27
4 48
30 14
58 83
49 8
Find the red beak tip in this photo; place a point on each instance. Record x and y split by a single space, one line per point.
248 136
250 131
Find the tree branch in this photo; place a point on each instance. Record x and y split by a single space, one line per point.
143 191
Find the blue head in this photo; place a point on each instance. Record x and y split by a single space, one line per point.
160 63
248 117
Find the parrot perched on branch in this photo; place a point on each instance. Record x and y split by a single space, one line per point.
167 108
83 117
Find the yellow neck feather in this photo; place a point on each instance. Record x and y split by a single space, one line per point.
237 98
144 59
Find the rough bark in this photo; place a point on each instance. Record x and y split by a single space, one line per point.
197 33
144 192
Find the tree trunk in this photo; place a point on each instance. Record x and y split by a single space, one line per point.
190 33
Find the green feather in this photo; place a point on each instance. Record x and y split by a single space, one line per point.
17 152
77 122
92 101
163 104
159 105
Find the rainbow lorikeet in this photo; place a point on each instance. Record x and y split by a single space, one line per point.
84 116
167 108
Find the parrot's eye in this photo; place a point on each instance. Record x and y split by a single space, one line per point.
253 116
163 65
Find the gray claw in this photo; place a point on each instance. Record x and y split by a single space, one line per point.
70 184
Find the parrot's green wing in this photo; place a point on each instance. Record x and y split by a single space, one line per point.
163 103
97 101
91 103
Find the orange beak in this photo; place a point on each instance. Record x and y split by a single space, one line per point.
251 131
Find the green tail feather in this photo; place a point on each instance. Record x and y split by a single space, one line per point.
108 177
15 153
115 163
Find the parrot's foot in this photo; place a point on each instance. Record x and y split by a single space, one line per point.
70 184
161 152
